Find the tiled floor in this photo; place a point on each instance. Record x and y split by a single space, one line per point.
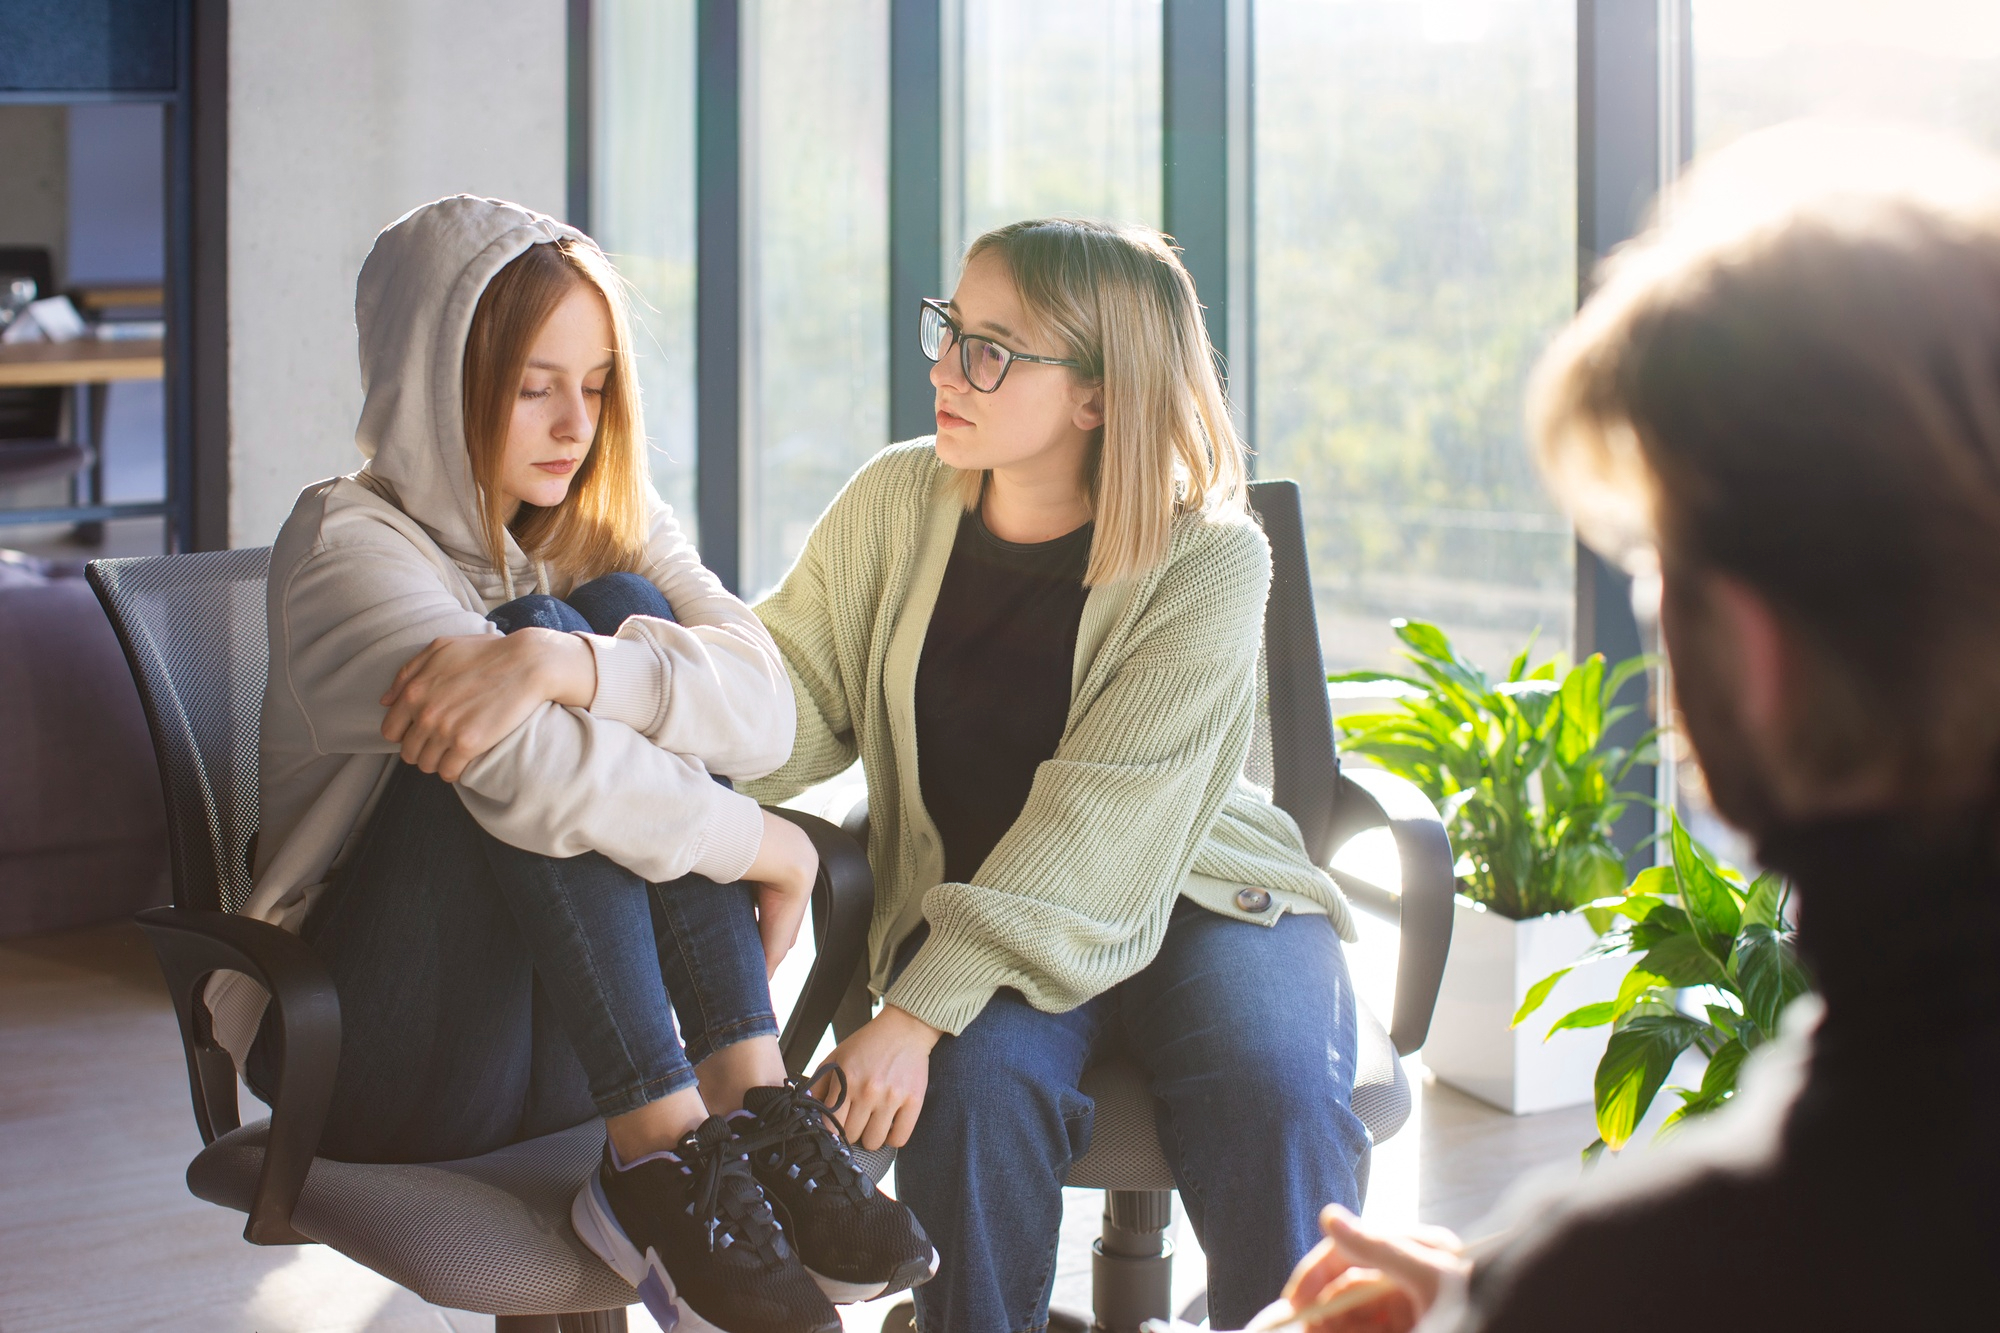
97 1230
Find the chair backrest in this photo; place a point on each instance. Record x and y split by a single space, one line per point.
1293 752
194 631
29 414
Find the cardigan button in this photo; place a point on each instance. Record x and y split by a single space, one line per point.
1253 900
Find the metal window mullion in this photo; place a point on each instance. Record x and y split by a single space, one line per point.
1632 117
579 128
1194 144
916 201
719 287
1241 323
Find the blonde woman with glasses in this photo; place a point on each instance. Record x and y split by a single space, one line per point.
1039 632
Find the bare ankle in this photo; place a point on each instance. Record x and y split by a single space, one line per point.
656 1126
735 1069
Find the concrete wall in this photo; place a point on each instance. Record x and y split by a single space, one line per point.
341 118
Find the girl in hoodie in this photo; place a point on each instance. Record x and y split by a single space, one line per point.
1039 631
505 699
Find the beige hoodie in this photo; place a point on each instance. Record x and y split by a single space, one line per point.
372 566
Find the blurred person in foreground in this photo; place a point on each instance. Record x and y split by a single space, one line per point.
1786 399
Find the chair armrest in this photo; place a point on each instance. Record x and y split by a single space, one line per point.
1373 799
190 946
843 904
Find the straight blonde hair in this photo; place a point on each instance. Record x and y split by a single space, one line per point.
600 526
1118 301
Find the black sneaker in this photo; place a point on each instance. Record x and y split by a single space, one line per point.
857 1242
693 1232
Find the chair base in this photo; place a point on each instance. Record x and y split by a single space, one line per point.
589 1321
902 1318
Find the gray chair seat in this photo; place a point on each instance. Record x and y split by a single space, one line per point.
489 1234
25 461
1124 1137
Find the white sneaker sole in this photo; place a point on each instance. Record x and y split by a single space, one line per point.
852 1293
591 1216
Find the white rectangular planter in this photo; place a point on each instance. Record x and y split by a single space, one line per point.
1492 963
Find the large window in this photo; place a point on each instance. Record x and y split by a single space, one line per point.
816 249
642 212
1059 112
1934 62
1415 249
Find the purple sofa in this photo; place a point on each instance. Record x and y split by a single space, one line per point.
83 834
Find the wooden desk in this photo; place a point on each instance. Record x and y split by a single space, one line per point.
117 296
86 361
87 369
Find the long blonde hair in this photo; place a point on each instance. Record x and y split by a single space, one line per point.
600 526
1118 301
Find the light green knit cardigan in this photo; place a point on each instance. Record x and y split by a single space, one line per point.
1142 802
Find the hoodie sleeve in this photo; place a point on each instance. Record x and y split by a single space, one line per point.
562 783
712 686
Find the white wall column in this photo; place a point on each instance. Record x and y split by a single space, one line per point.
342 117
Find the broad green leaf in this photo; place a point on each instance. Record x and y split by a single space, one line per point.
1639 980
1760 907
1590 1016
1435 657
1374 678
1582 703
1769 976
1590 872
1614 680
1720 1079
1718 1085
1663 922
1704 893
1635 1064
1657 881
1536 994
1681 961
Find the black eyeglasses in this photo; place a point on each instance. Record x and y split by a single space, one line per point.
984 361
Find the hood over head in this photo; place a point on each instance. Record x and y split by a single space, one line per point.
413 308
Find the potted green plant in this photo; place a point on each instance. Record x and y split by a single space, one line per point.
1689 925
1528 777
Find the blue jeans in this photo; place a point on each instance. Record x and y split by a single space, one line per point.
490 994
1247 1032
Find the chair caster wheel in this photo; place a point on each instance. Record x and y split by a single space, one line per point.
1068 1321
902 1318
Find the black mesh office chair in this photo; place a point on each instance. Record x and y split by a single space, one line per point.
31 444
488 1234
1293 755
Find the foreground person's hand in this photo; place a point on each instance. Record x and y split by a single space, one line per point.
888 1068
464 693
782 875
1418 1262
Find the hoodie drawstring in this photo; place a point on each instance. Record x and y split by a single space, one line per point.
542 584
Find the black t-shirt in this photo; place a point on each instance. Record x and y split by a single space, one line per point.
993 683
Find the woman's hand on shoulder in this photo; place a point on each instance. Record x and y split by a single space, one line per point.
888 1067
463 694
